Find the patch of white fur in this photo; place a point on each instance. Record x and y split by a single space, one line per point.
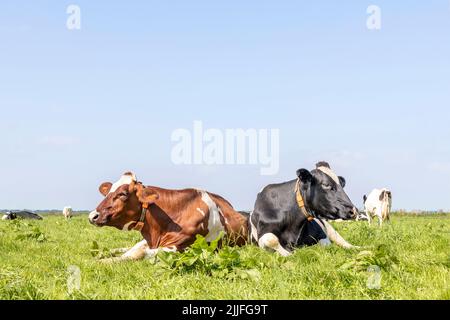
201 211
203 214
330 173
137 252
224 218
254 231
214 224
5 217
150 253
124 179
271 241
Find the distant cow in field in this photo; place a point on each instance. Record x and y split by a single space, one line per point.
22 214
378 203
168 220
294 213
68 212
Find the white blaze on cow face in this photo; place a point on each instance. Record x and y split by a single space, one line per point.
214 224
330 173
127 178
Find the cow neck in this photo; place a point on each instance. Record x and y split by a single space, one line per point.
141 222
301 202
151 230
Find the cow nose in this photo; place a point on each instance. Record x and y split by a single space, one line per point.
93 216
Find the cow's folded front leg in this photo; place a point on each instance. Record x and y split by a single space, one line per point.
271 241
138 252
119 250
135 253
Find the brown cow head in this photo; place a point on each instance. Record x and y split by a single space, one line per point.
123 203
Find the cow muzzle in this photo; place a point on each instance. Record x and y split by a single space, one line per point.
93 217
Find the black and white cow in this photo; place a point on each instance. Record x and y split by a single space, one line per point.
378 203
22 214
292 214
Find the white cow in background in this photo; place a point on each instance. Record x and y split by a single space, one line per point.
378 203
68 212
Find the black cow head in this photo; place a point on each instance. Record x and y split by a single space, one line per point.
324 193
10 216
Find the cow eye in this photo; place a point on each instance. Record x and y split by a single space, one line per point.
123 196
326 186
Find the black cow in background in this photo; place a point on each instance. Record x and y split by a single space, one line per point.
23 214
292 214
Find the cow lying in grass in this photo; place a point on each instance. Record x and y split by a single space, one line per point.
292 214
168 220
21 214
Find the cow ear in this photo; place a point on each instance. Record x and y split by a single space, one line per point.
146 195
104 188
304 175
365 198
382 195
342 181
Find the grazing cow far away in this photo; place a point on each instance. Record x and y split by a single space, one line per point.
292 214
168 220
378 203
68 212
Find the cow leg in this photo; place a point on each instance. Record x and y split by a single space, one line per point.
324 242
135 253
271 241
368 216
334 236
119 250
138 252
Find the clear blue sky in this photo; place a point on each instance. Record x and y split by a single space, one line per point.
81 107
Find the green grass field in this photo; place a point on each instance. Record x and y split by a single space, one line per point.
412 253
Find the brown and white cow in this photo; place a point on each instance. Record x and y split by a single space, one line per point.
168 220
